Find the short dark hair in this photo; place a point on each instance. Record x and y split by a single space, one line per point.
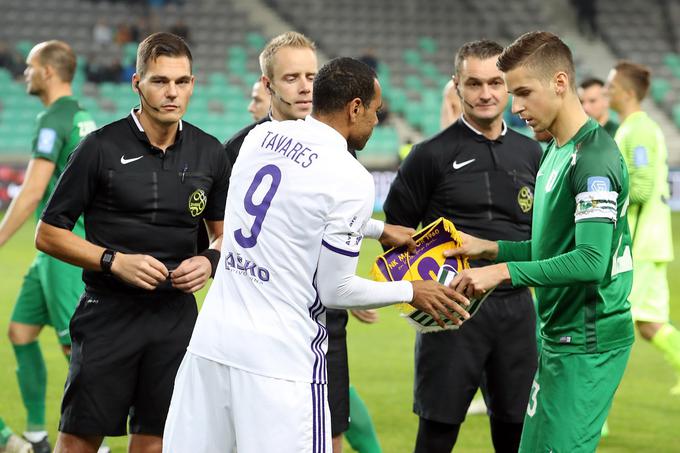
341 80
161 44
482 49
591 82
60 56
541 51
636 77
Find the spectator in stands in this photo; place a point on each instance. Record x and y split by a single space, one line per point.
10 60
586 17
102 34
370 58
595 103
123 34
180 29
139 29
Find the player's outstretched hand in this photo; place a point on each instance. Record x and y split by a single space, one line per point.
477 281
367 316
397 235
191 274
474 248
143 271
436 300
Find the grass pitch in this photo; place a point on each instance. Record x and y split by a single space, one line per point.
644 417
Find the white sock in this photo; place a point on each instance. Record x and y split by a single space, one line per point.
35 436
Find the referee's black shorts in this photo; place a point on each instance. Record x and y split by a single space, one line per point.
124 357
338 370
499 340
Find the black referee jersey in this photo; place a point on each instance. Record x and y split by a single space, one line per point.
135 198
486 187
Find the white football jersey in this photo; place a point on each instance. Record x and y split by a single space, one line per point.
294 189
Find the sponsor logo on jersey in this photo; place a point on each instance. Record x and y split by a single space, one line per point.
197 202
525 199
85 127
599 184
46 139
236 263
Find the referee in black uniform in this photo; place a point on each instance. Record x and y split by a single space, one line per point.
480 175
143 184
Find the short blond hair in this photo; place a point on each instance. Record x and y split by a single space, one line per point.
637 77
287 39
60 56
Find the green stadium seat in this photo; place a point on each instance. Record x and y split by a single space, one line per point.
412 57
256 41
427 45
24 47
659 89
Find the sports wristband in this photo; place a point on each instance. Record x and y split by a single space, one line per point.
106 260
214 258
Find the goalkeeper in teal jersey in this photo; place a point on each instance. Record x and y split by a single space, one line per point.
578 257
642 144
51 288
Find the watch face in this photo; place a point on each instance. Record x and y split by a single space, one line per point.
108 257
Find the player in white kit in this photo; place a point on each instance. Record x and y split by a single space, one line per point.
254 376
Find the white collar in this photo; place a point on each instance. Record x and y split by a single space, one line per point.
504 129
139 125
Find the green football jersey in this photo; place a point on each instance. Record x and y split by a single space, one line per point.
643 146
585 180
60 128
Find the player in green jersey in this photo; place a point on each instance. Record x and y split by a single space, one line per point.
642 144
51 288
578 257
595 103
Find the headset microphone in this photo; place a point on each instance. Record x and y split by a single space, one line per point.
462 98
142 97
273 93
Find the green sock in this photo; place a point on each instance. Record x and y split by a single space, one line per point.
667 339
5 432
361 433
32 377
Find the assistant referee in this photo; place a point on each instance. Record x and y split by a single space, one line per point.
480 175
143 183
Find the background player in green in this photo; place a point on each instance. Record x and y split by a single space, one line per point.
578 257
51 288
642 144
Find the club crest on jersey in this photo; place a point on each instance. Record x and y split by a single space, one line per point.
525 199
236 263
197 202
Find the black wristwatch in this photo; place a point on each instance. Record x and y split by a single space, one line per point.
106 261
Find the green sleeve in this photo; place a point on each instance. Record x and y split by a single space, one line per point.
513 251
640 153
587 263
50 138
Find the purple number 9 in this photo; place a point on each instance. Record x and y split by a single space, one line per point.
259 211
